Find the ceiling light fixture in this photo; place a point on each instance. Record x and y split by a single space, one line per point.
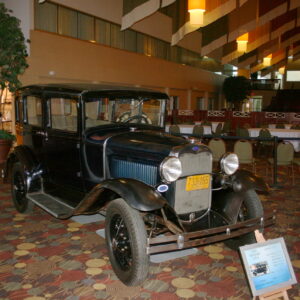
267 60
281 70
196 9
242 42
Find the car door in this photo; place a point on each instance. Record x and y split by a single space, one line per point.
62 148
32 126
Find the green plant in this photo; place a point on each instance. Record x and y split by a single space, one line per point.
12 55
236 90
5 135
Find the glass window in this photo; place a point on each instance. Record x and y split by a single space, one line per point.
64 114
175 54
19 110
34 111
117 36
141 43
161 49
123 110
45 16
102 32
67 22
130 40
85 27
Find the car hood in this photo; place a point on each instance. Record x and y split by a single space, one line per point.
144 141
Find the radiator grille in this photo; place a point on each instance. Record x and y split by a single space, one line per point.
129 169
196 163
192 201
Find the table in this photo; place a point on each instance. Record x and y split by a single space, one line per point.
188 129
286 126
282 133
213 125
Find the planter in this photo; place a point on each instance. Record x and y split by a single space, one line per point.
5 146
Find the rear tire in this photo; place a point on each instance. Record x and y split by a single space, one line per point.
126 240
19 189
250 208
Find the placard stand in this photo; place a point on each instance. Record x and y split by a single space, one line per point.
276 294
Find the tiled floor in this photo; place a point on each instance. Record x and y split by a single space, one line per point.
45 258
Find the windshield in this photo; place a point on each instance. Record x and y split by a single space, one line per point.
135 110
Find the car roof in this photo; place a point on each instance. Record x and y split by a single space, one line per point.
92 89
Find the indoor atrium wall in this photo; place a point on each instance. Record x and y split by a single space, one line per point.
55 58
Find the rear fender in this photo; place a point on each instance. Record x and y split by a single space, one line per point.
24 155
136 193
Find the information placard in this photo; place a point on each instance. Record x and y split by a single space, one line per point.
268 266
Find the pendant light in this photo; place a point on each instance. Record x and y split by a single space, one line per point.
196 9
242 42
267 60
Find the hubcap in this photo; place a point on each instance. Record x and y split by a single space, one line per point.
19 188
120 242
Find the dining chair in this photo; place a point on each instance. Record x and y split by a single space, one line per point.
226 129
198 130
218 148
244 151
174 129
264 146
296 161
218 130
285 157
243 132
295 126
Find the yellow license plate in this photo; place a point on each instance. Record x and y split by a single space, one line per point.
197 182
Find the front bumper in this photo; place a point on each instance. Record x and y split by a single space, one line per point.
184 240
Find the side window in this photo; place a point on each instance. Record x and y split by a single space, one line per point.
64 114
19 110
34 111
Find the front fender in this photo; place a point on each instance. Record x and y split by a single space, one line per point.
136 193
227 201
243 180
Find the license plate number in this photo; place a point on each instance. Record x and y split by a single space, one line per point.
197 182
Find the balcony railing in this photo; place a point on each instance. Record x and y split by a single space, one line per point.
265 84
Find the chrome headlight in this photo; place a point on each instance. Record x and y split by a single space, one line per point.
229 163
170 169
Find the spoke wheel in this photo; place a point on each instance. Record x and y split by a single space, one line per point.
120 242
126 241
19 189
251 208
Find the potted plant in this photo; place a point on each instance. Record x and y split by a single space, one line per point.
12 63
6 140
236 90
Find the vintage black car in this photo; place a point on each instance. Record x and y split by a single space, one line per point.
84 149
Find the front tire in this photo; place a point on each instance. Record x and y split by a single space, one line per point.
19 189
251 208
126 240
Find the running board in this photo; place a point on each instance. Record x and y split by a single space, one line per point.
54 206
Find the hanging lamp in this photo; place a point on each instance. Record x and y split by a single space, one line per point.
281 70
242 42
267 60
196 8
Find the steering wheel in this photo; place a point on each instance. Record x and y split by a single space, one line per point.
144 119
125 118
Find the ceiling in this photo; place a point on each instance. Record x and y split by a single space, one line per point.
273 27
